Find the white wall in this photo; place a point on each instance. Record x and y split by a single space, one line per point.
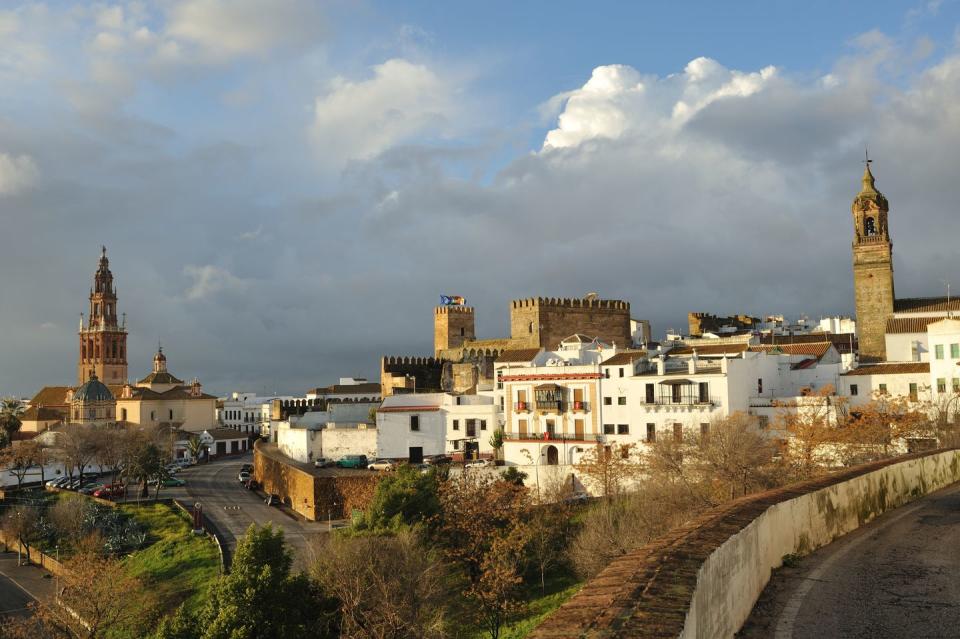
900 347
396 438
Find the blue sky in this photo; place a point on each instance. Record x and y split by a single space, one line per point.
286 186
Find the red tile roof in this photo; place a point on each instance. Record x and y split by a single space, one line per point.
892 368
624 357
709 349
814 349
51 396
518 356
926 305
899 325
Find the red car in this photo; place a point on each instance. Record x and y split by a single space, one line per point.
113 490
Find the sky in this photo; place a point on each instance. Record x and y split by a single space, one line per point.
286 187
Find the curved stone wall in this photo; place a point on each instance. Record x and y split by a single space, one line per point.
702 580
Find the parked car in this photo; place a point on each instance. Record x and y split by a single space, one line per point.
479 463
382 464
89 489
173 482
58 482
113 490
353 461
323 462
272 500
244 476
436 460
247 467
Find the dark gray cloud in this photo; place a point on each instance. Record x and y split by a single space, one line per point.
263 266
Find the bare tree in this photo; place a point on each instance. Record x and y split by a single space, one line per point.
69 517
23 524
480 529
76 447
614 527
19 460
610 469
388 587
99 599
735 457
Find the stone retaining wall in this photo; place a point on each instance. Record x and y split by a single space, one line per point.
315 496
702 579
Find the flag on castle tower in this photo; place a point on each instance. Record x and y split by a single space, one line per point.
453 300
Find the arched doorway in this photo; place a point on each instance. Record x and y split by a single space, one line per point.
553 456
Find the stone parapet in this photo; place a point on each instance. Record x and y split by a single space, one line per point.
702 579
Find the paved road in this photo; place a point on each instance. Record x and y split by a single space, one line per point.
233 508
898 576
21 585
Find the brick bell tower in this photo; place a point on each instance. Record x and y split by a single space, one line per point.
103 341
872 268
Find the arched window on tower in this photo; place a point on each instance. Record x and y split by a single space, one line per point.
869 226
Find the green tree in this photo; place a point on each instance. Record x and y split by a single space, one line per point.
11 409
144 465
404 497
496 441
514 476
258 599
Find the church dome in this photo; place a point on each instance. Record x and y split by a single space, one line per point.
93 391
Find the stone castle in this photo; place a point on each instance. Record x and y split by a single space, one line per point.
461 361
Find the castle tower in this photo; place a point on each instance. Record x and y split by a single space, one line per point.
103 341
872 268
452 326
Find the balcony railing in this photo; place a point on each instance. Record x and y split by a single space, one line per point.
550 405
553 437
684 401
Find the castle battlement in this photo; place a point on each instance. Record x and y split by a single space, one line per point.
449 310
570 302
402 360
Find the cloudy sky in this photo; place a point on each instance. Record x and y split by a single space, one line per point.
285 187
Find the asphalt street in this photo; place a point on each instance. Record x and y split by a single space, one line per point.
232 508
21 585
898 576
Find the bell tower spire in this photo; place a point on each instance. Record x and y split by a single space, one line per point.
103 342
872 266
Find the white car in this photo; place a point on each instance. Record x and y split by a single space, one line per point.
382 464
244 476
479 463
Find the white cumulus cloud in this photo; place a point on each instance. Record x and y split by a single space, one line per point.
17 173
360 119
618 99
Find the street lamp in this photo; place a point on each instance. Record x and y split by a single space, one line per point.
330 516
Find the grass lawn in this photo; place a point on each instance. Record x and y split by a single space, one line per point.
180 565
558 589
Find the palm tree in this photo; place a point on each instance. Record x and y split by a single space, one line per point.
11 409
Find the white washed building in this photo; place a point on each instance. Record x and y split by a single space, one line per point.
415 426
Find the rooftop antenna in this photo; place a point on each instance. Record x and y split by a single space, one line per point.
949 310
866 155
